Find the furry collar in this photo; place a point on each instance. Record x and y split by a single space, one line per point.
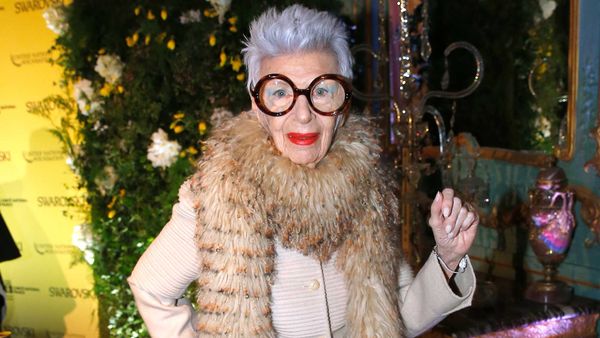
248 194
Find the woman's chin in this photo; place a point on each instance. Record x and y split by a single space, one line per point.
307 161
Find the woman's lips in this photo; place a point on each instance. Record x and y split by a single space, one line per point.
303 139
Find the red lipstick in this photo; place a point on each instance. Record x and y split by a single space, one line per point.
303 139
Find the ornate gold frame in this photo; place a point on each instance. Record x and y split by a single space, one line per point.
538 158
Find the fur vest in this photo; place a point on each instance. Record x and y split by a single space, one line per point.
247 195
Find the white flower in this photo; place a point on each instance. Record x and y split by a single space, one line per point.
162 152
82 239
190 16
543 126
86 99
110 67
55 19
548 7
71 164
99 127
221 6
220 115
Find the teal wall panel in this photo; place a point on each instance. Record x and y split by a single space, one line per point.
581 268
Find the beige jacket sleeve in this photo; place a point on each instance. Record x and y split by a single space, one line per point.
428 299
165 270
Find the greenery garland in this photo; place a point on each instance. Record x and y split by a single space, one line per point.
144 83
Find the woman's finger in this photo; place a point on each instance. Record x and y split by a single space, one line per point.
462 215
450 222
435 219
468 220
448 195
472 217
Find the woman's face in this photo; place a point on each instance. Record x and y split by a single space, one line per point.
302 135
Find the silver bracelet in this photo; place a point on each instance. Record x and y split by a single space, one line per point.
462 264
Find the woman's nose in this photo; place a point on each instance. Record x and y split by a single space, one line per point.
302 110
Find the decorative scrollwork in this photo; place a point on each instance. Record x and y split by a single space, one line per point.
461 93
590 212
595 161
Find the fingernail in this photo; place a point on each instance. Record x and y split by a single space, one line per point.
446 212
437 197
448 228
450 235
468 219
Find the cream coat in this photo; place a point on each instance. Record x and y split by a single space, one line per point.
165 270
249 218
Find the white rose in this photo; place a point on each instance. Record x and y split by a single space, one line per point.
110 67
82 239
543 125
162 152
55 20
221 6
86 99
548 7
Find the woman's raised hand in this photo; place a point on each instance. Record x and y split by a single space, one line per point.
454 225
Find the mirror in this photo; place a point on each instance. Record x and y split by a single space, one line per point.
524 110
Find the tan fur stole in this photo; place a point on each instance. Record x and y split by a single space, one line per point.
248 195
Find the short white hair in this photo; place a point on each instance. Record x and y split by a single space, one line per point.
296 29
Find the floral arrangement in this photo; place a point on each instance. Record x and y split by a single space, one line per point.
144 82
549 41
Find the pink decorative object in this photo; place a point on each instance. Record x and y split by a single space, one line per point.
550 233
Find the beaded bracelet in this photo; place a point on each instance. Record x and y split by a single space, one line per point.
462 264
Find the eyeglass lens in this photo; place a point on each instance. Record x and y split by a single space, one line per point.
327 95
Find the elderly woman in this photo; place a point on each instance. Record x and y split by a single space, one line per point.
289 225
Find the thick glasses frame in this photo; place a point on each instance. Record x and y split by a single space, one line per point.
306 92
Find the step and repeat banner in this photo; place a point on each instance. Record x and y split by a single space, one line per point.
49 292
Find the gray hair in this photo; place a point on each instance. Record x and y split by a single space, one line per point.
296 29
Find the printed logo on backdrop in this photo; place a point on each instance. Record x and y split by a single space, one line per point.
43 155
25 59
14 289
20 331
4 155
44 106
71 293
34 5
7 107
9 202
60 201
54 249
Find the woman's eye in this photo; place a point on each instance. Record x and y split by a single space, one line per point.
321 91
279 93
